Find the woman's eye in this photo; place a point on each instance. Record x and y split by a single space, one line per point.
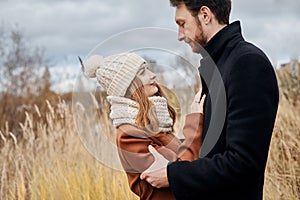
142 72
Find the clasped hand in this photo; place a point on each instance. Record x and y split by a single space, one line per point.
156 174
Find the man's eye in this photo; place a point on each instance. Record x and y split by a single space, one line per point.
181 24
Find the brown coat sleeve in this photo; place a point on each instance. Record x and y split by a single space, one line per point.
189 150
133 144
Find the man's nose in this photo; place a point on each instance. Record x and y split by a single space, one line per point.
180 36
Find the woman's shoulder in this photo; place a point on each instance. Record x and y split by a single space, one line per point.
130 134
132 139
129 130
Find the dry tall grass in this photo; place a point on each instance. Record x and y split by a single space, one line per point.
48 160
282 179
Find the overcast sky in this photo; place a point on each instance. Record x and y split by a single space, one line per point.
67 28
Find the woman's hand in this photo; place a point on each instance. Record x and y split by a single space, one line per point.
198 103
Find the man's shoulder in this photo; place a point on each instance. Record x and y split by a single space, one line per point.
245 52
246 56
244 48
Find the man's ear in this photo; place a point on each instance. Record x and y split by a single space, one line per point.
205 15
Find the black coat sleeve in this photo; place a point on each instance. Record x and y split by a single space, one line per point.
252 101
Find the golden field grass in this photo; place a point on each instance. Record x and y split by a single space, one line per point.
49 161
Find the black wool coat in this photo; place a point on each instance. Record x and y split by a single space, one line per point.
231 166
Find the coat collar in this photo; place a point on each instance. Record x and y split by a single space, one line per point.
220 40
227 37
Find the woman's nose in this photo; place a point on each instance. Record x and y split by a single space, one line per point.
152 75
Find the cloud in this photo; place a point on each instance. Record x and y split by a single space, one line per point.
72 27
272 25
68 28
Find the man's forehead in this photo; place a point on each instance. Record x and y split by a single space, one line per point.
181 12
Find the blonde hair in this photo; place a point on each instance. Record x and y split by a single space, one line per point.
146 116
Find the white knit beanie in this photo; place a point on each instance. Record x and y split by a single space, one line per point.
114 73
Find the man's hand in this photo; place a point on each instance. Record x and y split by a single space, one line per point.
156 174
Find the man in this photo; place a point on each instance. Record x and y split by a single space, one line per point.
234 167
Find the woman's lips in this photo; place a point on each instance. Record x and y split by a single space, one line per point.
153 84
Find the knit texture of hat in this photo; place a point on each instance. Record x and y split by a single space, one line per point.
114 73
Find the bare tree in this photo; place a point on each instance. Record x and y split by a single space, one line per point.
24 77
21 64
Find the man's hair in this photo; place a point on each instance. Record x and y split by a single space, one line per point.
220 8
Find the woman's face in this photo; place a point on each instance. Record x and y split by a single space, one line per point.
148 80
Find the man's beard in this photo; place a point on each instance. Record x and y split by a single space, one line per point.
197 44
200 39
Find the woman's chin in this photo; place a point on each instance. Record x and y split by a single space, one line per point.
152 91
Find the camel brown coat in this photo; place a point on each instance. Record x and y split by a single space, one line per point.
133 144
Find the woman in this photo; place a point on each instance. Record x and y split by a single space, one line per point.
143 117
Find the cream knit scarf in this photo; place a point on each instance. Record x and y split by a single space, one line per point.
125 110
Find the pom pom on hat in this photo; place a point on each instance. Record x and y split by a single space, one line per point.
92 64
